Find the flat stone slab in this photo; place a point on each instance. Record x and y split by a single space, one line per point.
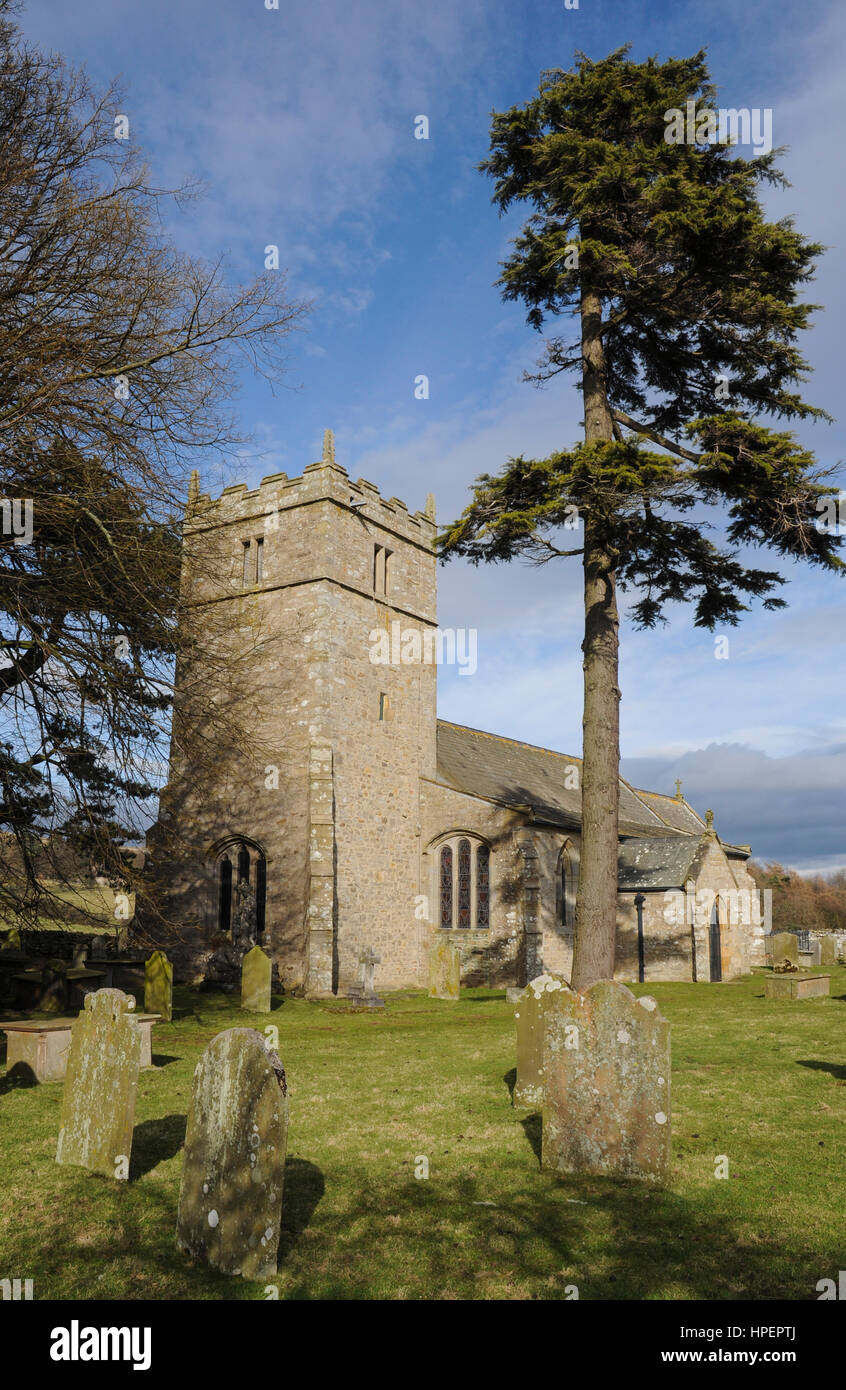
606 1105
796 986
98 1104
230 1198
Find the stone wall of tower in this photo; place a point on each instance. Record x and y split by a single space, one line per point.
287 658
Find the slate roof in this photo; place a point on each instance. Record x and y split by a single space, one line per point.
656 862
521 774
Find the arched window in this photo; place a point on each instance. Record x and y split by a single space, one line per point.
465 890
464 883
261 897
241 890
565 891
224 911
446 886
483 886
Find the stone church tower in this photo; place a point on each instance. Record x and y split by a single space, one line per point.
297 577
317 805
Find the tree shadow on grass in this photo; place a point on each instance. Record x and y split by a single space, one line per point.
510 1079
533 1130
836 1070
153 1141
303 1188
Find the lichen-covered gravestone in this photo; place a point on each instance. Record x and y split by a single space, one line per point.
784 944
530 1015
158 986
255 982
230 1200
444 971
606 1106
98 1105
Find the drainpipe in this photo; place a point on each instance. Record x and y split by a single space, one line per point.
639 901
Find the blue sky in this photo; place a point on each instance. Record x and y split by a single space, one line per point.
300 122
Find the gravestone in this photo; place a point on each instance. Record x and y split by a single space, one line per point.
98 1105
444 971
828 950
606 1105
54 987
530 1015
365 992
230 1198
784 945
158 986
255 982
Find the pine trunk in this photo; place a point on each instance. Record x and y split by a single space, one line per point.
596 903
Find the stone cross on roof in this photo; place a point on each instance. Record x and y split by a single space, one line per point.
679 796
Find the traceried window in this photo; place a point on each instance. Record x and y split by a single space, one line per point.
241 892
566 890
483 886
464 883
446 885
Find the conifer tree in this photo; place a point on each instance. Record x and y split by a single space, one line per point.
686 301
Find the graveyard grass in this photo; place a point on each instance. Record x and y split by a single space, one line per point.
760 1081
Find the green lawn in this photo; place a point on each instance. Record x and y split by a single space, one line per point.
761 1082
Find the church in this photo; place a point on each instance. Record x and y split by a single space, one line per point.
349 818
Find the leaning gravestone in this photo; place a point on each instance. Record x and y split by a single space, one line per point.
606 1105
158 986
230 1199
530 1016
98 1105
444 971
255 982
784 945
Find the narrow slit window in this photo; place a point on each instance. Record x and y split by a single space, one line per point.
259 560
384 707
379 569
246 578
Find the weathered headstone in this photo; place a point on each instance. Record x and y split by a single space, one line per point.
98 1105
606 1106
444 971
255 982
828 950
810 958
365 992
784 945
230 1199
530 1015
158 986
